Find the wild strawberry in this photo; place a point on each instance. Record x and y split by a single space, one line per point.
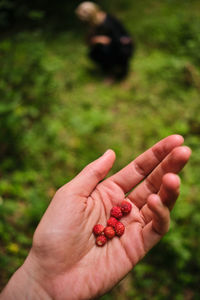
126 207
112 222
98 229
119 228
116 212
109 232
101 240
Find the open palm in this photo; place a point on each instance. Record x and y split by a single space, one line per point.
68 263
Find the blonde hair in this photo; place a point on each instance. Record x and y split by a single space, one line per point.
87 11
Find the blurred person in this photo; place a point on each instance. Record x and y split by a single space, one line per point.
64 261
110 45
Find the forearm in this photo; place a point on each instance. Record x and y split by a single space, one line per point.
23 286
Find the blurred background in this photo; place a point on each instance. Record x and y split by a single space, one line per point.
57 115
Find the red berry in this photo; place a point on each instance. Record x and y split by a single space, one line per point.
116 212
109 232
112 222
101 240
126 207
119 228
98 229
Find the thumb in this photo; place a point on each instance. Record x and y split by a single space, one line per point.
85 182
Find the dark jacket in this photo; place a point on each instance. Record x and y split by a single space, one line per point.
115 53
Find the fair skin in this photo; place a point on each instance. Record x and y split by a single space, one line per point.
104 39
64 262
100 39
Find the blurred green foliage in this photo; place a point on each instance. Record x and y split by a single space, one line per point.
57 115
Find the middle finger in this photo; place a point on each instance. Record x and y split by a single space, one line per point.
173 163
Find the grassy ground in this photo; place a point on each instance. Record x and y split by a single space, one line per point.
57 115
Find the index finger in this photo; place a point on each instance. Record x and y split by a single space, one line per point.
138 169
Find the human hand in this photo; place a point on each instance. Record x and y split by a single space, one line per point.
125 40
64 259
100 39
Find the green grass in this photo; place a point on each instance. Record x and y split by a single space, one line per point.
57 115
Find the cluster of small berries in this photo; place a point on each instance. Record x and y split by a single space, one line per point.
114 226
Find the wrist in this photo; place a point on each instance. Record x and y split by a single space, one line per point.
24 285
